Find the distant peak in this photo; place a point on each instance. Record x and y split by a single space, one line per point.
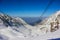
58 12
1 14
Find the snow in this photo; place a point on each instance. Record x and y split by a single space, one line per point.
29 32
53 35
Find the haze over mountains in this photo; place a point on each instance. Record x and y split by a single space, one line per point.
16 28
33 20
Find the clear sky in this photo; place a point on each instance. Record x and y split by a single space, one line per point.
28 8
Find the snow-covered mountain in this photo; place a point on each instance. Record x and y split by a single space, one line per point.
16 24
52 21
9 21
52 18
15 28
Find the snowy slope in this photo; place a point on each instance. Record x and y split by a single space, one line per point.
51 18
47 36
46 24
18 29
16 24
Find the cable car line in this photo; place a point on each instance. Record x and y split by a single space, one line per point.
51 1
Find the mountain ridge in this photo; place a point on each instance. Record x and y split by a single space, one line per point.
19 28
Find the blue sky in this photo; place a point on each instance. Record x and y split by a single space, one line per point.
28 8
